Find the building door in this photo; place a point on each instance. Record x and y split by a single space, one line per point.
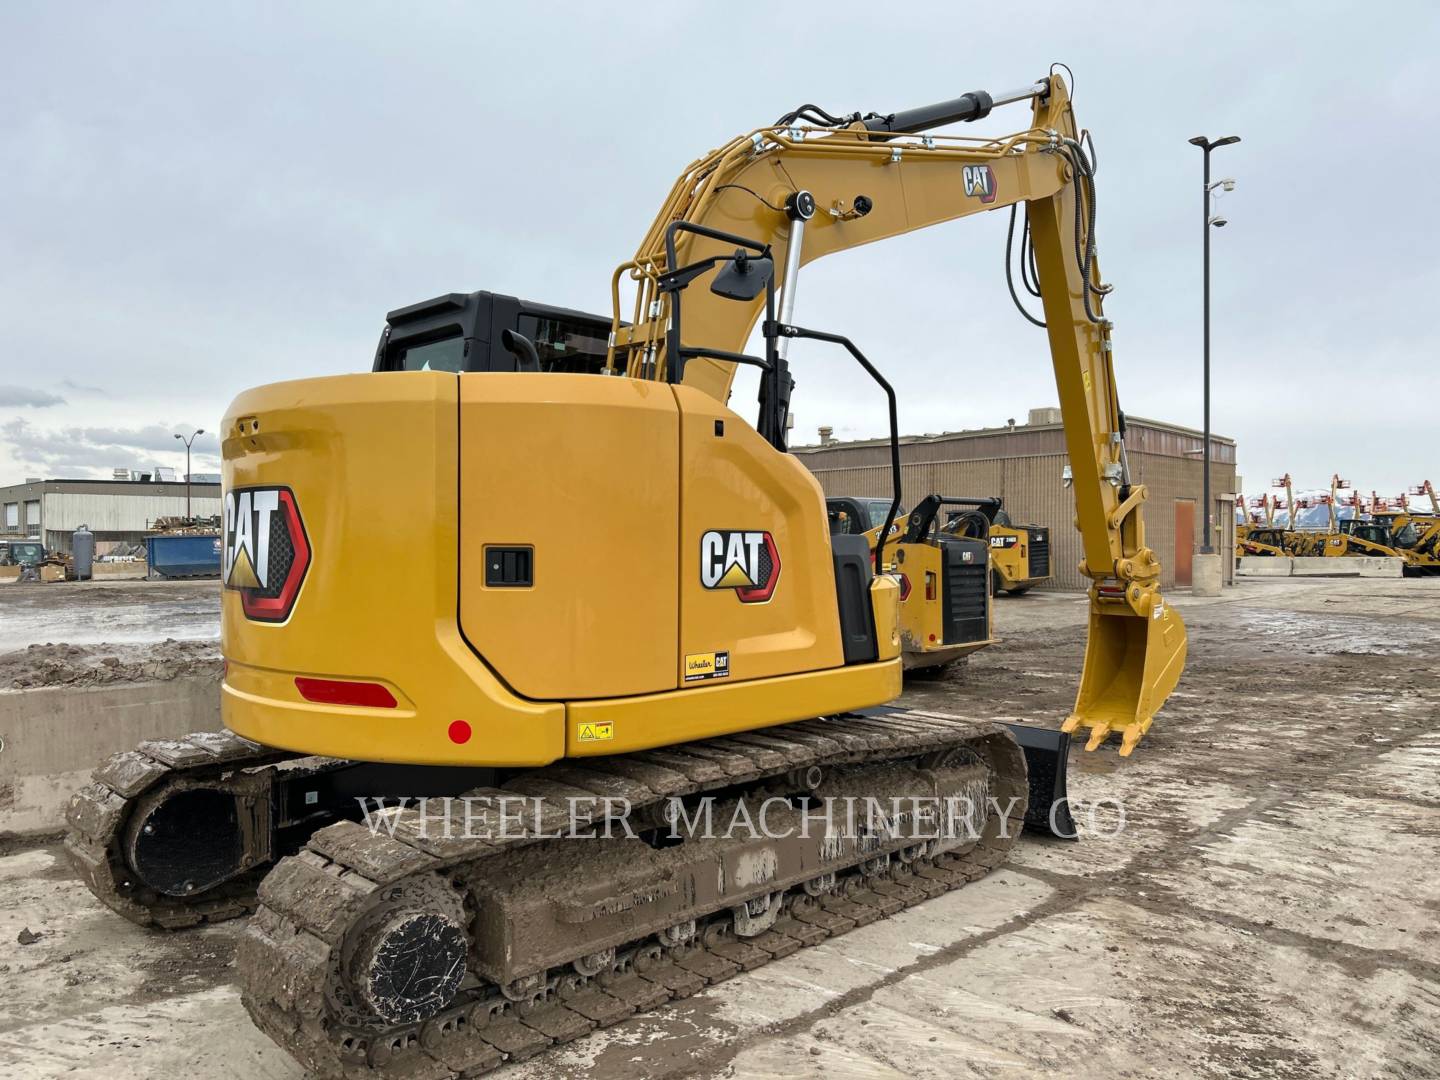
1184 539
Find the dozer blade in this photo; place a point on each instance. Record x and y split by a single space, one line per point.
1132 662
1047 758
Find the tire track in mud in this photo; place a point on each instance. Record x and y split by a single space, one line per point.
1133 886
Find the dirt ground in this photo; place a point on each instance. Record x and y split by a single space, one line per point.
110 612
1265 905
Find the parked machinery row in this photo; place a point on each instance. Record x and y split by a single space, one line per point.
1379 529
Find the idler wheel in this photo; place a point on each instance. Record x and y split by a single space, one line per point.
408 960
187 841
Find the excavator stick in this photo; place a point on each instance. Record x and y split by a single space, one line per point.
1133 659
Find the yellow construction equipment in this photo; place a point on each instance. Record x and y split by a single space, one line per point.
944 578
1353 536
1265 537
1257 526
1019 555
1415 533
612 603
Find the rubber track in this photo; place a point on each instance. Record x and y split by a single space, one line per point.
98 813
288 958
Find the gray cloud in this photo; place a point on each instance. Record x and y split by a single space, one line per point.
97 450
22 397
209 204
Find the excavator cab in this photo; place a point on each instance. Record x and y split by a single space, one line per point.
473 332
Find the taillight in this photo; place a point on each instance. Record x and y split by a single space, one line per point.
342 692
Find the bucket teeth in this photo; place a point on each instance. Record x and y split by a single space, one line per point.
1098 734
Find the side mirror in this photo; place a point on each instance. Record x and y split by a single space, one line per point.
743 276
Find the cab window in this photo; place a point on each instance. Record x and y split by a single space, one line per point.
565 344
446 354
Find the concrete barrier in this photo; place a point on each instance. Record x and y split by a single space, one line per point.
117 571
1349 566
1264 566
1206 577
54 737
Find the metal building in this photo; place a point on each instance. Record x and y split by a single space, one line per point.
1024 464
115 510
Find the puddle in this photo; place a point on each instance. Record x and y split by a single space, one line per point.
1330 634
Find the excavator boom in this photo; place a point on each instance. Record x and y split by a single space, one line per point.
812 185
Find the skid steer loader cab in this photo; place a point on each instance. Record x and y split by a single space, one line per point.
858 516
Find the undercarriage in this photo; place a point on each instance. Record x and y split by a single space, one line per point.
441 936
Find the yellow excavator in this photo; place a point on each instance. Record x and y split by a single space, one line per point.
411 603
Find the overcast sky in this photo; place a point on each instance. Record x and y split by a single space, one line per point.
197 198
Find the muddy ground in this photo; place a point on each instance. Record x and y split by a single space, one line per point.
97 632
1268 909
112 612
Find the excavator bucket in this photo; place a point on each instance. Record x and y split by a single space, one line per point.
1047 757
1132 662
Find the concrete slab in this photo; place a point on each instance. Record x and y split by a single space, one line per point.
1264 566
1347 566
118 571
51 739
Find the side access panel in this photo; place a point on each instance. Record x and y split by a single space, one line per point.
756 576
569 510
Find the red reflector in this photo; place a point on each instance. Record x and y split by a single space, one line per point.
459 731
339 692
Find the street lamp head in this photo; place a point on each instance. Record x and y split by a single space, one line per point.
1218 221
1200 141
1226 141
1230 188
178 435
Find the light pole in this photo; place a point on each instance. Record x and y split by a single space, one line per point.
1207 545
187 442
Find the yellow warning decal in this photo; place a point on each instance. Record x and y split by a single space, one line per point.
597 732
1086 374
706 665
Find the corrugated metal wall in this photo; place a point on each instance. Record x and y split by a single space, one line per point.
1029 483
66 510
